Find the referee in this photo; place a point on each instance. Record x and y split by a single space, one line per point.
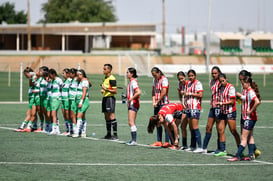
109 89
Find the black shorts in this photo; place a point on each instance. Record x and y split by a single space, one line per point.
108 104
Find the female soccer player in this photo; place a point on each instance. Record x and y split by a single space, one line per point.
48 122
165 117
65 101
227 102
43 94
242 75
72 100
182 86
160 98
57 84
194 94
250 101
132 95
82 101
28 72
214 110
36 106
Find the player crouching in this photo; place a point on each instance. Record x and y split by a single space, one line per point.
166 117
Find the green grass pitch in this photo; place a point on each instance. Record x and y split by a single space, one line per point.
36 156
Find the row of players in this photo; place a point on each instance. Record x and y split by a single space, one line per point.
223 107
47 91
222 111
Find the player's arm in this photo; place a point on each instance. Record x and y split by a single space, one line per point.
256 104
84 92
175 133
136 94
153 97
165 124
163 93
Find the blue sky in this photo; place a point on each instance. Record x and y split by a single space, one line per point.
226 15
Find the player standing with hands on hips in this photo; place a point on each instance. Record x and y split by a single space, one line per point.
109 89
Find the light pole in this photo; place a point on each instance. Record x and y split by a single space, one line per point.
28 27
163 24
86 40
208 38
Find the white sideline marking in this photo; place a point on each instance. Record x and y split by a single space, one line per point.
143 145
131 164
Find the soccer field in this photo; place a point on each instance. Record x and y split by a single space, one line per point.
37 156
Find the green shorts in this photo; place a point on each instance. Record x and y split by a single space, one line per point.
73 106
43 101
65 104
54 104
30 102
48 105
85 105
37 100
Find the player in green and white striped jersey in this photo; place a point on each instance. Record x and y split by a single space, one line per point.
28 72
82 100
48 122
32 124
65 101
43 93
72 99
56 87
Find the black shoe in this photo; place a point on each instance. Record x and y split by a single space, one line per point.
115 137
108 137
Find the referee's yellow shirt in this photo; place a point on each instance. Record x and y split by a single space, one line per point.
109 83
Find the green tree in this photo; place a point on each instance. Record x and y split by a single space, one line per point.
10 16
63 11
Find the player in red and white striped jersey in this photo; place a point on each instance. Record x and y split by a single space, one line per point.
160 98
250 102
214 110
132 94
227 102
194 94
165 117
182 86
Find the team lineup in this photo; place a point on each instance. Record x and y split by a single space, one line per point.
47 91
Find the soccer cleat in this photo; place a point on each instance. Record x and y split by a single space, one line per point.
166 145
174 147
28 130
183 148
107 137
190 149
75 136
115 138
257 153
65 133
233 159
19 130
131 143
38 130
249 158
198 150
83 135
221 153
157 144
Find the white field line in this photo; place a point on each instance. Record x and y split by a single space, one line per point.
132 164
257 162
